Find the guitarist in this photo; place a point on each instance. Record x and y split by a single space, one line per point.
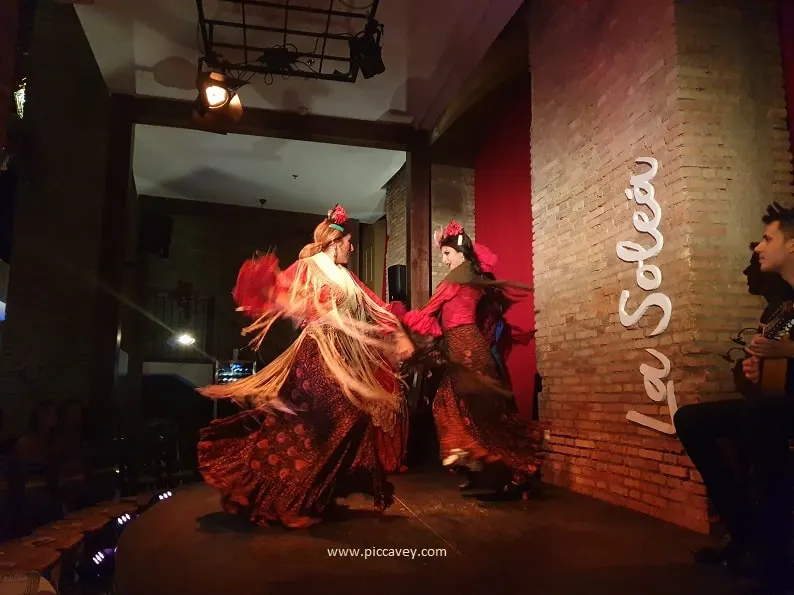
774 290
759 427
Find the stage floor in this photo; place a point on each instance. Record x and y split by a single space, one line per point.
559 543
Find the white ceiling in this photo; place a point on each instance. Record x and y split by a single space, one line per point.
241 170
150 47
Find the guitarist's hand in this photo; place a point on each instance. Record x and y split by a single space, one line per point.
763 347
751 367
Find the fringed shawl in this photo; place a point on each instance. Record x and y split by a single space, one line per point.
353 332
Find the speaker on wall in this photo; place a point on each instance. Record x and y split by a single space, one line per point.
397 280
154 234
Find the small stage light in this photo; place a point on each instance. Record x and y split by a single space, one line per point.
162 496
365 50
100 570
125 518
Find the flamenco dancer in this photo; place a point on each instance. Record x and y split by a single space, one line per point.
326 416
477 423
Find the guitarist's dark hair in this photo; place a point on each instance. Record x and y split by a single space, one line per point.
783 215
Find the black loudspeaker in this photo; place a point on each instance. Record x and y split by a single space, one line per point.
397 279
154 234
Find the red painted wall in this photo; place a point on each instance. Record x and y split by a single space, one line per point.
786 22
503 222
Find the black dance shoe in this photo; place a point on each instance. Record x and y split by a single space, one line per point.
511 492
724 554
472 481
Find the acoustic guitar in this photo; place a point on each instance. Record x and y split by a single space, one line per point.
772 381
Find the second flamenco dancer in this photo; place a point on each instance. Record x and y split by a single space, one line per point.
479 430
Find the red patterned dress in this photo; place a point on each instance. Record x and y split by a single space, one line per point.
322 426
475 417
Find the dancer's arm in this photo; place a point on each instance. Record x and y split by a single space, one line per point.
423 320
255 280
262 288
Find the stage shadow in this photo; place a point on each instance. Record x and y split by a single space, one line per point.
223 522
538 493
343 513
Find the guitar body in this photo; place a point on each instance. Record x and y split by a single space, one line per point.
772 382
773 377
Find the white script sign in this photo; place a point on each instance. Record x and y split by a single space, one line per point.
649 278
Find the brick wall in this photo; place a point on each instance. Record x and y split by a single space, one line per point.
48 342
396 195
700 90
735 159
452 197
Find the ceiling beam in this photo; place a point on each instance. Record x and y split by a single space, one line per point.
175 113
505 62
462 140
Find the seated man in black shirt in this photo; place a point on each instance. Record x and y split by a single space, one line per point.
760 428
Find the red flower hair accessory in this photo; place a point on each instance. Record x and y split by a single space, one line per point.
338 217
453 229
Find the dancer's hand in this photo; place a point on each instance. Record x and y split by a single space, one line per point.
752 368
403 348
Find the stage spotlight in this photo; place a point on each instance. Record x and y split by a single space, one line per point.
365 50
215 89
216 96
218 103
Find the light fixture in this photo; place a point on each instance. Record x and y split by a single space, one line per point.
185 339
216 96
218 103
365 50
214 90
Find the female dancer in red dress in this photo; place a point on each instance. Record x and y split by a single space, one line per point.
327 415
476 418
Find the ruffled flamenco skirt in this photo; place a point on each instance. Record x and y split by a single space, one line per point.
479 429
272 466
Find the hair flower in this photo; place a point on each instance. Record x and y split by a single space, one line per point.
337 215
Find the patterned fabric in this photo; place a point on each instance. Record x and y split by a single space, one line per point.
273 466
392 446
477 428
